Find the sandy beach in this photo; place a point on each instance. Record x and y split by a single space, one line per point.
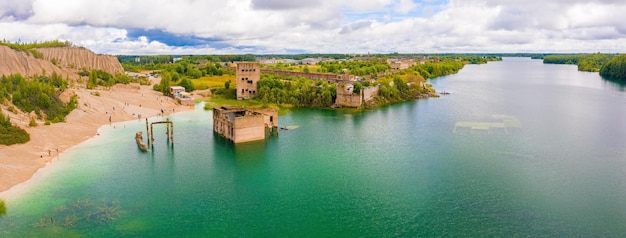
96 108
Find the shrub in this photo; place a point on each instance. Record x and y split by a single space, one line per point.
33 122
3 208
10 134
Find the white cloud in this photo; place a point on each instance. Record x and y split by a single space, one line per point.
342 26
405 6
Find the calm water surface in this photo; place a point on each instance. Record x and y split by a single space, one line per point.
518 148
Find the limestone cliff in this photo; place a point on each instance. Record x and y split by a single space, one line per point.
82 58
69 60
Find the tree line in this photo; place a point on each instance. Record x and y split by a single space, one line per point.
358 68
24 46
30 47
608 65
585 62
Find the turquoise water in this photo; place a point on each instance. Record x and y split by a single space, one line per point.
559 169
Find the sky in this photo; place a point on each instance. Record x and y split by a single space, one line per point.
148 27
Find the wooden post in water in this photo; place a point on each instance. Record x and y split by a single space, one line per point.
167 128
172 125
147 131
152 133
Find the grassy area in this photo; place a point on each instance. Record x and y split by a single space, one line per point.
218 101
212 81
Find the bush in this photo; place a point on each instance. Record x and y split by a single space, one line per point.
3 208
10 134
33 122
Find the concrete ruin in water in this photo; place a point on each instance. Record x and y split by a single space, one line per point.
240 125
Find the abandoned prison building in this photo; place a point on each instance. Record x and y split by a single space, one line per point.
239 124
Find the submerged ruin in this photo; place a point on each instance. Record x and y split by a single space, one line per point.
239 124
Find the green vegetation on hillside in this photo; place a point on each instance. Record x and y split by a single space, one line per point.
30 46
24 46
615 68
39 94
9 135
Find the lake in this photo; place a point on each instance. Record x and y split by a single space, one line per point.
518 148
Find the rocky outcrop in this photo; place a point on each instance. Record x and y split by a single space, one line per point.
79 58
67 62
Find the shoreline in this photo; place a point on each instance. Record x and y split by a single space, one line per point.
97 108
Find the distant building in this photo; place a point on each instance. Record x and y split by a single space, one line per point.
175 91
311 61
401 64
247 76
270 61
243 125
182 97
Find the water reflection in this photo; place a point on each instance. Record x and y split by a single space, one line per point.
615 84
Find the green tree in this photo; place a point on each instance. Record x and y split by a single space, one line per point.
164 85
227 84
175 76
187 84
93 80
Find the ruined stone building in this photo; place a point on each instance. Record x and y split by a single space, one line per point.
346 97
243 125
247 76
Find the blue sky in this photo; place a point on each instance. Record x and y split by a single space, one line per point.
320 26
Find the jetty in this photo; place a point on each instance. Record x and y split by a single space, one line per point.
169 132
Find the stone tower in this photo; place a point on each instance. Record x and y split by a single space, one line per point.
248 74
